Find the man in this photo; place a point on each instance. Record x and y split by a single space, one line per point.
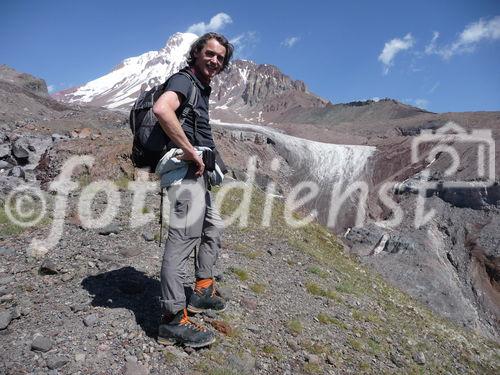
193 216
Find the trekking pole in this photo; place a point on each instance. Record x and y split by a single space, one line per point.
161 216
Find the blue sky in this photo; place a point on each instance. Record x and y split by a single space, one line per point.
343 51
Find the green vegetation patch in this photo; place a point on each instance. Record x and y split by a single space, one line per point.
316 290
327 319
242 274
24 214
318 271
295 326
258 288
312 368
122 182
355 344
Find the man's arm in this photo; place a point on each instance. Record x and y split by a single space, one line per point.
164 109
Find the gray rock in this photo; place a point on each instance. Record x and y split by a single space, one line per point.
397 359
5 319
5 290
398 244
80 307
58 137
210 314
90 320
111 228
242 364
80 357
20 148
48 267
148 235
271 252
106 258
11 160
15 312
176 352
41 343
189 350
5 164
57 361
17 172
293 345
7 251
253 328
129 252
240 175
249 303
67 277
312 358
135 368
4 150
6 298
419 358
330 360
130 358
225 293
361 235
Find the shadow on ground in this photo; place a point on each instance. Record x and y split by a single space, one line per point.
130 289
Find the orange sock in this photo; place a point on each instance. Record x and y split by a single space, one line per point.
203 283
185 318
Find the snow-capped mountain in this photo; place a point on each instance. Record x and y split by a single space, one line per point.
120 87
248 92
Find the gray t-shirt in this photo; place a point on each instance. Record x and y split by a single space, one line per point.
183 86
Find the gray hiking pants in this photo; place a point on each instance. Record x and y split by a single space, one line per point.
193 219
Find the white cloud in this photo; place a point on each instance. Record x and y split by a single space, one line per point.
244 44
216 23
431 47
392 48
290 42
468 39
51 88
421 103
433 88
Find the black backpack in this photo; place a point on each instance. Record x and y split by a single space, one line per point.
150 141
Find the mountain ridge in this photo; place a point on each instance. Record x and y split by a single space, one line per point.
247 92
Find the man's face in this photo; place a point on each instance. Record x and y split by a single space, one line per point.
210 59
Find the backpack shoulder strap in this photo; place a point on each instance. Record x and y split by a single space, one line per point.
193 97
191 104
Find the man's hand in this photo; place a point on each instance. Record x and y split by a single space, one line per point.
194 157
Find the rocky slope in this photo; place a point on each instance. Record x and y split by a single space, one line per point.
450 262
25 103
258 93
449 265
90 306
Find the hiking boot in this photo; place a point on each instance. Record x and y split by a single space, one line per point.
178 329
205 297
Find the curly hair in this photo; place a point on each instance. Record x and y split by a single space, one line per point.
199 43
